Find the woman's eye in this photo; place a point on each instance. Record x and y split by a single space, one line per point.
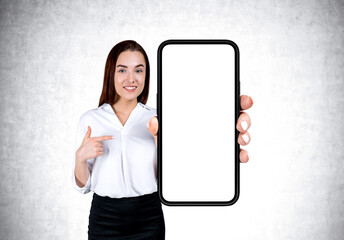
138 70
121 70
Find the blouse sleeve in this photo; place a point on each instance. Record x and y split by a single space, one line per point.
80 134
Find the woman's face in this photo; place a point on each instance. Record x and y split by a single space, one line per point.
130 74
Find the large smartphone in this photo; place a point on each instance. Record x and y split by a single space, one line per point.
198 106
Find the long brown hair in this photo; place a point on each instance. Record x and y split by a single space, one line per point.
109 91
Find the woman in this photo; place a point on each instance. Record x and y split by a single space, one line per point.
119 165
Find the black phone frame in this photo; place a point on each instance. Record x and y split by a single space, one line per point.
160 131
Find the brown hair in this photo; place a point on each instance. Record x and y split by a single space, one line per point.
109 91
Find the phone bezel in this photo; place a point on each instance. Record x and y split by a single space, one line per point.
159 113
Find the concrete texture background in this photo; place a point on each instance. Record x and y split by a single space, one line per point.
292 59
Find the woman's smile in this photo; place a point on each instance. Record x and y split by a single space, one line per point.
130 88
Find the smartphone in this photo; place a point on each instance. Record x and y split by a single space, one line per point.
198 107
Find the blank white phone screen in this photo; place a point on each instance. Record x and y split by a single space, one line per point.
198 122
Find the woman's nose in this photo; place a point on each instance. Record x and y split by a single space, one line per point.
131 77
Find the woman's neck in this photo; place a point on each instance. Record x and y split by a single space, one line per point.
124 106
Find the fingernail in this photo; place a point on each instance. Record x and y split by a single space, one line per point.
147 124
245 137
244 125
113 136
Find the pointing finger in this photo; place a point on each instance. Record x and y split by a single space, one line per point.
103 138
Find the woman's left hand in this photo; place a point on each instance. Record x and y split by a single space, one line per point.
243 124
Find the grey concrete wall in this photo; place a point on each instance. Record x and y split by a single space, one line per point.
51 68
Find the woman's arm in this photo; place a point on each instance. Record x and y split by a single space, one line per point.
81 171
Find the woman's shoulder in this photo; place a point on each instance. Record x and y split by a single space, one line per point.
94 111
147 109
105 109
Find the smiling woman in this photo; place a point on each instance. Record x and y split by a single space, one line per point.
124 51
119 162
129 77
121 171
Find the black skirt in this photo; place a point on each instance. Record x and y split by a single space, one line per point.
126 218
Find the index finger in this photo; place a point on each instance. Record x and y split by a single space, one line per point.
103 138
245 102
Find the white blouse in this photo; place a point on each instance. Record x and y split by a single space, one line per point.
128 166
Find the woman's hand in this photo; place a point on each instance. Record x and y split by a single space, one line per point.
243 124
91 147
153 126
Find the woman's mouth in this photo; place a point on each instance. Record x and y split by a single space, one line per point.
130 88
